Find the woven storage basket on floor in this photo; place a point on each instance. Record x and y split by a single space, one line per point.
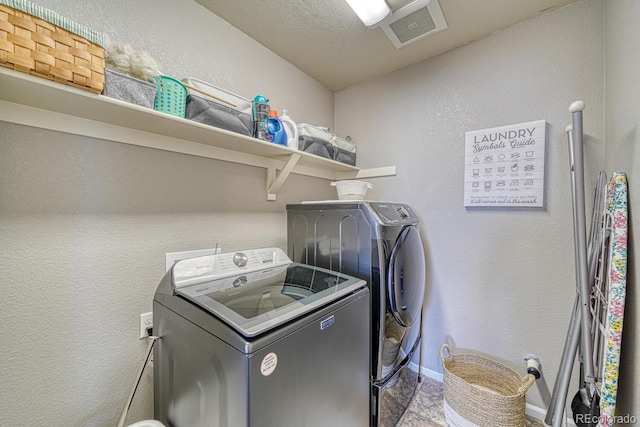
482 392
35 46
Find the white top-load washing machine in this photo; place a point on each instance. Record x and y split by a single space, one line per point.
380 243
252 339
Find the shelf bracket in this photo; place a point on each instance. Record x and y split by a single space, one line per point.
275 181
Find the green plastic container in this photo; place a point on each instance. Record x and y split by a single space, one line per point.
171 97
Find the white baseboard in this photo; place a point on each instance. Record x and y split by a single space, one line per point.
426 372
531 410
540 414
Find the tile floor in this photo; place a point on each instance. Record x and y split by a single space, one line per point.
426 407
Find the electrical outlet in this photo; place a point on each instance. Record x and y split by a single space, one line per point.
173 257
146 321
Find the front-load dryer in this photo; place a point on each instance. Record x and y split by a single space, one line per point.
380 243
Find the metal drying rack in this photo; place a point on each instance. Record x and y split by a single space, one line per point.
586 333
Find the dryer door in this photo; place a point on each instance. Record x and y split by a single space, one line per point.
406 281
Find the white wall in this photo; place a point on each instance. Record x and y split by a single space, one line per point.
85 223
500 281
622 67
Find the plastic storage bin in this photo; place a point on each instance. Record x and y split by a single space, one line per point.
171 96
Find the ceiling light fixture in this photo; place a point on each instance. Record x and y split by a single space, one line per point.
370 12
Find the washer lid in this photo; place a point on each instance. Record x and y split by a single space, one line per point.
256 301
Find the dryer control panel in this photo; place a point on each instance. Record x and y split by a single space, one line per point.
394 213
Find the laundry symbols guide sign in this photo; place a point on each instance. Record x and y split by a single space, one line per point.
504 166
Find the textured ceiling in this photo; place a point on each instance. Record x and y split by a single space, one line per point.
326 40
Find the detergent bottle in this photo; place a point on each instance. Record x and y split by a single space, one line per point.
261 109
291 129
277 134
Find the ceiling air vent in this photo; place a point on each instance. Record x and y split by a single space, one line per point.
413 22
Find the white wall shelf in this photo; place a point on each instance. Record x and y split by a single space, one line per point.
37 102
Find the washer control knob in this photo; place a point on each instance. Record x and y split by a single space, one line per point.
240 259
242 280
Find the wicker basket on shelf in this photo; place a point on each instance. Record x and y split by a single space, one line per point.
40 42
482 392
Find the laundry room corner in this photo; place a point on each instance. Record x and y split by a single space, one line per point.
354 234
499 280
